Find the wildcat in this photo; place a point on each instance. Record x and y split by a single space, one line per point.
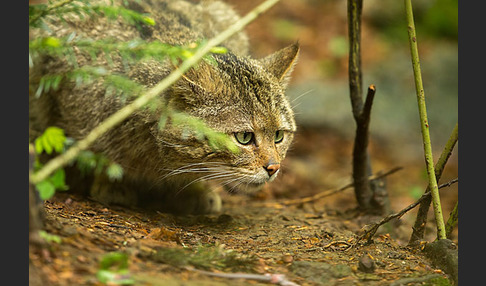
166 168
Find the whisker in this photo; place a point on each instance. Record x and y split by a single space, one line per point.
168 144
200 167
204 178
189 168
295 106
240 181
300 96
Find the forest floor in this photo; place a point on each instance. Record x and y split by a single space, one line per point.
311 243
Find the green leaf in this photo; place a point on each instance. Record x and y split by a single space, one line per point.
58 180
86 161
46 145
53 138
185 54
46 189
56 138
196 127
219 50
148 21
49 237
114 269
119 260
114 172
52 42
38 146
119 277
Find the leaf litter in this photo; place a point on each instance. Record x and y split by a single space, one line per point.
311 243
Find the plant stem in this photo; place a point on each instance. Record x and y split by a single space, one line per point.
423 122
126 111
452 221
36 210
326 193
421 220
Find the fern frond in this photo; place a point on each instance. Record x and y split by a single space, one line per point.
199 129
83 8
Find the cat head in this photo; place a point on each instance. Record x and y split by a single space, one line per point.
245 99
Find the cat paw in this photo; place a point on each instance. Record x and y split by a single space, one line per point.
207 203
110 193
195 202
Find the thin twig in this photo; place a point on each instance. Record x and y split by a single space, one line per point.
346 244
370 230
366 112
141 101
334 191
429 161
278 279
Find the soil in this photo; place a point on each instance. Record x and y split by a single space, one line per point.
311 244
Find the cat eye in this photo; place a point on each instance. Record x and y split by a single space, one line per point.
244 137
279 136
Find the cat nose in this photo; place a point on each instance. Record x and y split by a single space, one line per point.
272 168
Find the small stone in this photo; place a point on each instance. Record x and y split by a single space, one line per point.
225 218
366 264
287 258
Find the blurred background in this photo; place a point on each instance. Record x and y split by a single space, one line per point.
319 91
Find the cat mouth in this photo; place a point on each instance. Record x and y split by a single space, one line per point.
247 187
255 185
244 188
248 183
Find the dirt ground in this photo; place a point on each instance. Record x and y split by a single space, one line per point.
309 243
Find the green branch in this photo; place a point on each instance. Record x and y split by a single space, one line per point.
429 161
452 221
421 220
126 111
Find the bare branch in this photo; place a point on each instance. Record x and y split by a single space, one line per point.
278 279
355 77
334 191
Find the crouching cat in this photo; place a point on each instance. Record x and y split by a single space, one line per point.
165 168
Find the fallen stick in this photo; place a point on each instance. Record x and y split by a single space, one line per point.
333 191
278 279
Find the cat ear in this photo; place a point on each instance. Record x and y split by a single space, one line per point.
282 62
